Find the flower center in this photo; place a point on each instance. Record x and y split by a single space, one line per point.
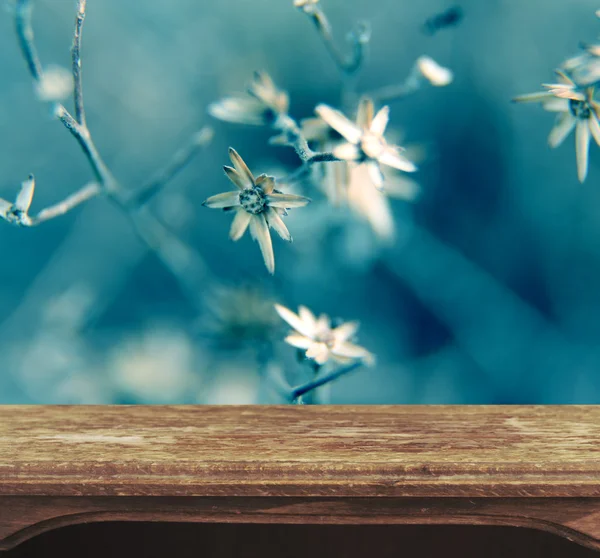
325 336
252 200
580 109
372 145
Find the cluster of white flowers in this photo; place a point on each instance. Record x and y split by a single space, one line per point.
355 166
573 99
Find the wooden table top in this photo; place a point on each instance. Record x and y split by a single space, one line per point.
413 451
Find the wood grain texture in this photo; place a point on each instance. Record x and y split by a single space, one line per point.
520 466
300 451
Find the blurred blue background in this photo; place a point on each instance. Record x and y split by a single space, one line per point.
490 292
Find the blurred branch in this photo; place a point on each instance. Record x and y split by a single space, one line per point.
349 65
425 71
358 38
507 338
179 160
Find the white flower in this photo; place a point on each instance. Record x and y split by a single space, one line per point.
365 141
256 204
320 341
263 104
435 74
577 109
17 213
55 84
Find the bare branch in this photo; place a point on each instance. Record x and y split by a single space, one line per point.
179 160
83 137
85 193
76 63
291 134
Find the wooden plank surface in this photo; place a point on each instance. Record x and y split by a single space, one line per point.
405 451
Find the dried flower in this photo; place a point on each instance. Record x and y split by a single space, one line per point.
365 141
322 342
435 74
577 110
17 212
263 104
256 204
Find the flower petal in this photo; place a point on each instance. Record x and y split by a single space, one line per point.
260 232
227 199
380 121
595 127
277 224
582 148
266 183
319 352
295 321
299 341
286 200
364 114
565 122
349 350
241 110
392 158
5 207
375 174
537 97
556 105
241 167
25 195
345 331
234 176
347 151
339 123
239 224
307 316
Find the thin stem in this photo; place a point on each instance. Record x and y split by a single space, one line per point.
359 38
179 160
391 93
76 63
297 392
87 192
291 135
25 36
83 137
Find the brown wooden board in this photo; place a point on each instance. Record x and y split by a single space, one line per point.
524 466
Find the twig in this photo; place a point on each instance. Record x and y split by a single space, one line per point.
358 38
303 389
390 93
179 160
83 137
89 191
291 134
76 60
